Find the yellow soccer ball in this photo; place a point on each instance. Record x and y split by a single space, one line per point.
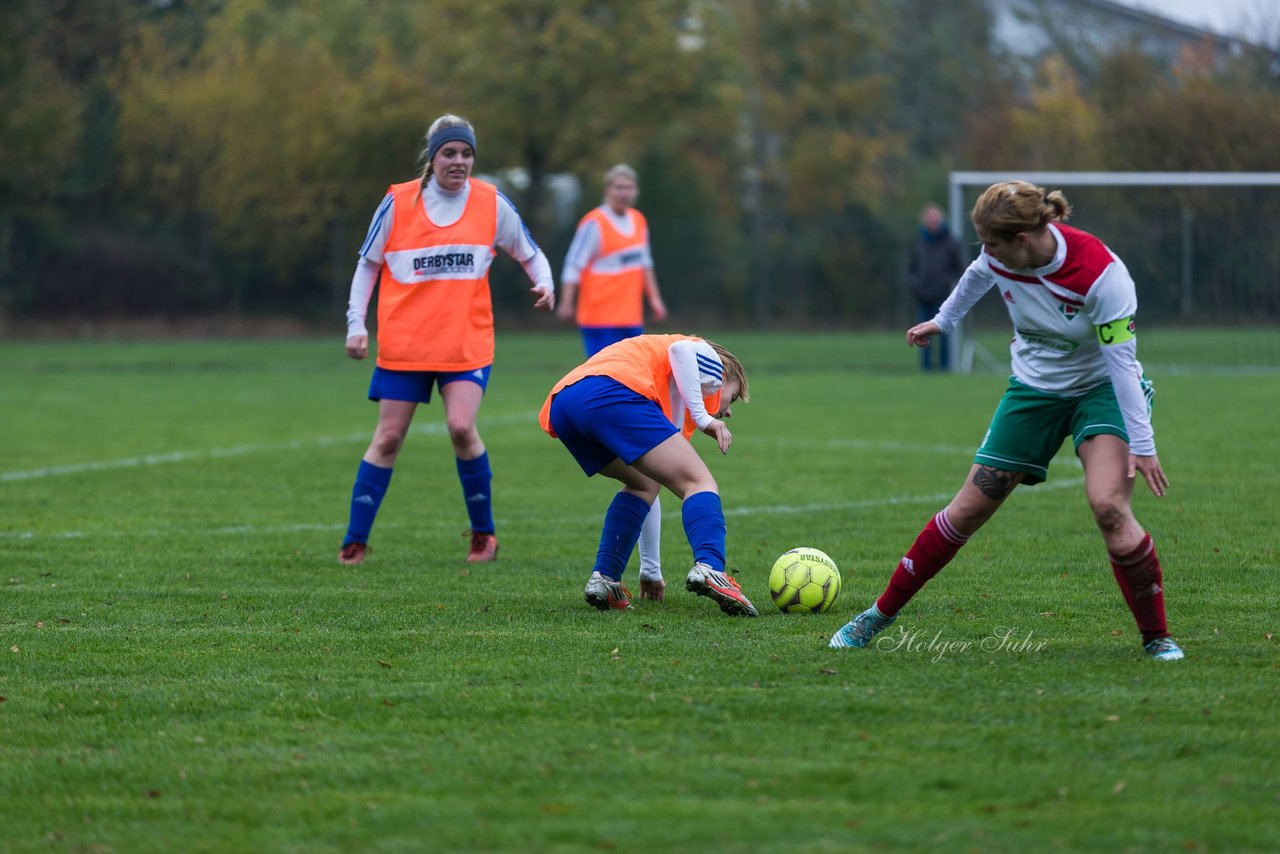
804 581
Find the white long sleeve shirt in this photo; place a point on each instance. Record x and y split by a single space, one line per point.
1072 323
444 208
696 374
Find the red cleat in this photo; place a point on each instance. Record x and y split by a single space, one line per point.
353 553
721 589
607 594
484 547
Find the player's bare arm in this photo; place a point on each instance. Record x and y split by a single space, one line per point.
719 431
546 298
919 335
656 305
568 294
1152 473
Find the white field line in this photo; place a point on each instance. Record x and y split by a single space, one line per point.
939 498
1157 371
434 428
872 445
438 428
539 522
233 451
909 447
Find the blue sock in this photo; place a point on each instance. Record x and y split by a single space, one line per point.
622 523
366 496
476 477
704 526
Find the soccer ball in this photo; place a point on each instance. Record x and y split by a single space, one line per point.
804 581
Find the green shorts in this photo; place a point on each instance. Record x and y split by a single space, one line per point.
1029 426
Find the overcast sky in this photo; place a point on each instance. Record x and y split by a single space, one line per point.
1232 17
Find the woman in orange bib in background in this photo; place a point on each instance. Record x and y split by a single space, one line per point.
607 276
608 270
428 252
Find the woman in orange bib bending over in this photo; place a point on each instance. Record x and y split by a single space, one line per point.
626 413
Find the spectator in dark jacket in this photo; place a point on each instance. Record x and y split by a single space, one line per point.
932 272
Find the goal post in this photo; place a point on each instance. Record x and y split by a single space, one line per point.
965 350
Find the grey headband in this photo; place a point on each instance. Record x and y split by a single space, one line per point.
458 133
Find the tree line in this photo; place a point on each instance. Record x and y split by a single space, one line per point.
186 157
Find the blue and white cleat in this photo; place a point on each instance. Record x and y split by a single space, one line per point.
1164 649
861 629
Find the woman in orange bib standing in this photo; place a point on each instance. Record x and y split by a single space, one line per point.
428 252
607 277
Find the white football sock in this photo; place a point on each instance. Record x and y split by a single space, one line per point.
650 544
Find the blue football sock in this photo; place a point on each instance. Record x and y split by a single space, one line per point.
366 496
622 523
476 478
704 526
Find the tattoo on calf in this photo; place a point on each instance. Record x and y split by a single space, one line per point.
994 483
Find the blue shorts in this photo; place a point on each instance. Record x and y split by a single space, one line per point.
599 420
596 338
415 386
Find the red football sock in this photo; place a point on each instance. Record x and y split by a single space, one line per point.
933 549
1142 583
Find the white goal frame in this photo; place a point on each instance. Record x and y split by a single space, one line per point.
964 350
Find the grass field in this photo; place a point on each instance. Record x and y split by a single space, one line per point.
185 667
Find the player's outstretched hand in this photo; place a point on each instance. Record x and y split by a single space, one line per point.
358 347
546 299
919 335
1151 472
719 431
653 589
